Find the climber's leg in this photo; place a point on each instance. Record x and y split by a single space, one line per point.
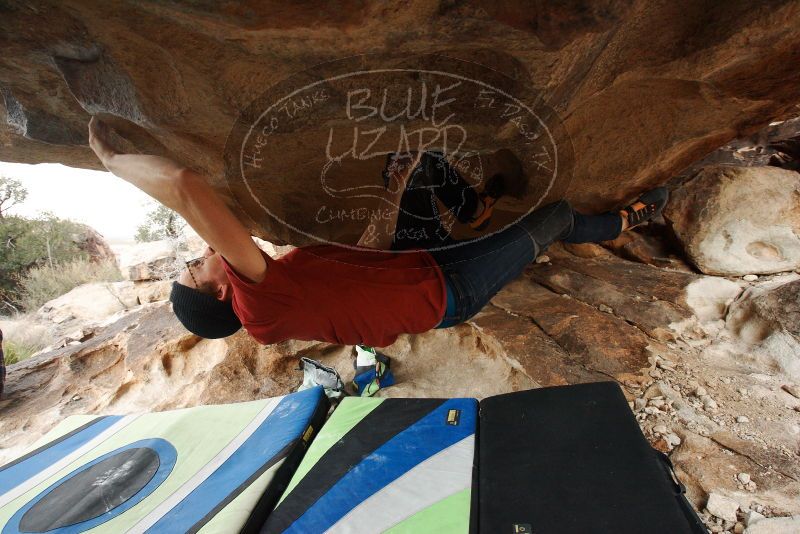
476 270
595 228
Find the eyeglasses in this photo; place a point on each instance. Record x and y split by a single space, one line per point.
194 263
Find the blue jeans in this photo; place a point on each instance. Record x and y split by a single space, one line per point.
477 270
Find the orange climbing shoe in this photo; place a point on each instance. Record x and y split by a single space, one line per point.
653 201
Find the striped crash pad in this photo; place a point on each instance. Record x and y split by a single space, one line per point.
203 469
385 465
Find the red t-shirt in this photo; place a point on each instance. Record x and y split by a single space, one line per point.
342 296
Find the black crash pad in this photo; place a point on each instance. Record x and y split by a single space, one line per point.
573 459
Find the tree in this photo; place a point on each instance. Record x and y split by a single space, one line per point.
12 192
161 223
27 243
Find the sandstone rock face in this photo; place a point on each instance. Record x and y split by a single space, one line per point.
739 220
768 320
93 244
776 145
780 306
90 302
533 334
722 507
775 525
642 89
155 260
675 341
76 315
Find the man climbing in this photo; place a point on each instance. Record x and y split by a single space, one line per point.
344 295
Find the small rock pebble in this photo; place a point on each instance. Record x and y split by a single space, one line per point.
672 439
722 507
742 419
709 403
751 516
544 258
655 373
666 365
744 478
750 277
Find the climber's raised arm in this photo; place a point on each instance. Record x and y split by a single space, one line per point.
188 193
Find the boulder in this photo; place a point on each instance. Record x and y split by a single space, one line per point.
145 360
91 243
722 507
141 358
735 221
648 245
152 291
767 320
710 297
162 260
76 315
570 320
155 260
89 303
777 305
642 88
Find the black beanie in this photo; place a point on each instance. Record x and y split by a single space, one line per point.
202 314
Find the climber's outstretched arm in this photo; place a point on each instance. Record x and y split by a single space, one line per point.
188 193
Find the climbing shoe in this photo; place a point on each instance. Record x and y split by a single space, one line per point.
654 202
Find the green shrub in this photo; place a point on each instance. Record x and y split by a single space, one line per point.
15 352
23 336
45 283
27 243
161 223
